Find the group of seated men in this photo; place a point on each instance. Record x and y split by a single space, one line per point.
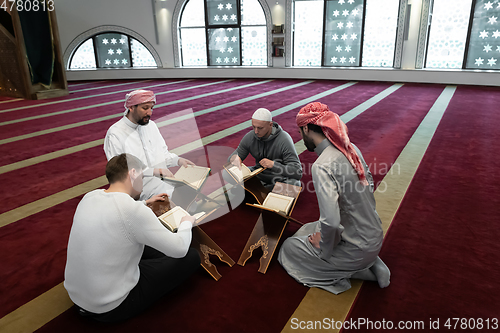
121 259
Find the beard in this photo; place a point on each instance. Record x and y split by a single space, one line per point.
144 121
309 143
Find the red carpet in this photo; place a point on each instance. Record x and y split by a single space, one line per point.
33 249
442 246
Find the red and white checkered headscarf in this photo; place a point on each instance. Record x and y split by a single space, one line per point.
335 131
138 97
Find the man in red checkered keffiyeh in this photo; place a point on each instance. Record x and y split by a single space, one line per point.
335 131
345 242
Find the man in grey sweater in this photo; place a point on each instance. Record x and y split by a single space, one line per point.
272 148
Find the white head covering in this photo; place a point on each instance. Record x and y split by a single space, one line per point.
262 114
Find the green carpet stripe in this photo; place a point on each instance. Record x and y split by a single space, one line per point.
353 113
86 97
108 85
63 152
230 104
71 84
60 293
118 101
95 120
44 203
388 198
236 128
37 206
11 100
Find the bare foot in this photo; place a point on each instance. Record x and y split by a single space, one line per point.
382 273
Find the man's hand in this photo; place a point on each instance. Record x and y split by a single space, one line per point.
183 162
236 160
188 218
162 172
266 163
314 239
158 197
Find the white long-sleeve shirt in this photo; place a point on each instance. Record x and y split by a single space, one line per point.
146 143
105 246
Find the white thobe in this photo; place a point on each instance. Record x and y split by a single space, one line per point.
351 230
146 143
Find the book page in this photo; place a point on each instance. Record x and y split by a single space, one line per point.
245 170
278 202
244 173
256 171
237 173
172 218
193 174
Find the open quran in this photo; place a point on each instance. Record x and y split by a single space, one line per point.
172 218
169 214
277 202
242 174
192 175
281 199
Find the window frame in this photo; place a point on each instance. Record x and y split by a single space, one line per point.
223 26
428 7
94 42
176 40
398 43
83 37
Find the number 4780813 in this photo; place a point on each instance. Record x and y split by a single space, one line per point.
27 5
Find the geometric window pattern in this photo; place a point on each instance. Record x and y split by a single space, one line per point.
343 33
253 45
111 50
484 43
232 33
222 13
141 57
342 42
194 11
223 30
448 33
451 25
84 56
224 46
379 38
194 46
308 33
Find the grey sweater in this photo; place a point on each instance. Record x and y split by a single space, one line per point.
277 147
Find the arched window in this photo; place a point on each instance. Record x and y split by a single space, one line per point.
223 33
345 33
463 34
111 50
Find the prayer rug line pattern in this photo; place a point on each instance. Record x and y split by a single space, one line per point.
57 217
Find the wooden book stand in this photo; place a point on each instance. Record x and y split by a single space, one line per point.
184 195
269 228
252 185
200 241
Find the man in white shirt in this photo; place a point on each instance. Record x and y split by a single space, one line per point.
137 135
120 257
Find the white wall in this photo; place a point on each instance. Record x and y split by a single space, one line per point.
74 17
77 16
